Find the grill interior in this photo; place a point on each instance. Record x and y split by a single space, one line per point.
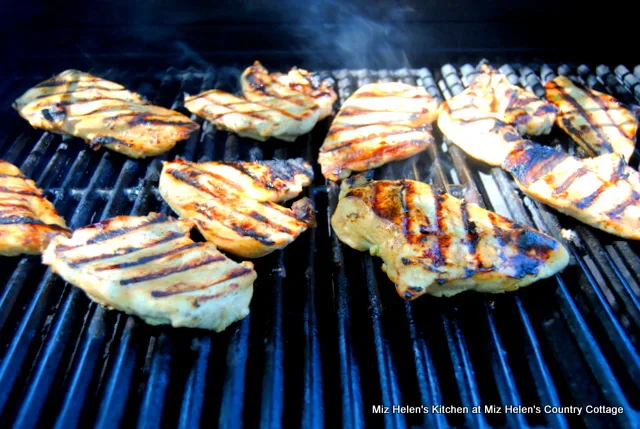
327 337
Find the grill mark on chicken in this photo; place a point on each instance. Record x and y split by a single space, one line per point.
238 272
146 259
442 238
589 199
586 115
257 216
210 259
562 187
361 139
108 235
204 298
121 251
106 140
24 220
470 232
36 193
620 208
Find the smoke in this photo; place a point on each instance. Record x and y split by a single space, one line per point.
350 34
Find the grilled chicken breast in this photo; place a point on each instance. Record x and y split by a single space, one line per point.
234 204
28 221
148 266
596 121
379 123
487 119
103 113
258 83
437 244
602 192
281 117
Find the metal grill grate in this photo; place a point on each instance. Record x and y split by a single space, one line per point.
327 337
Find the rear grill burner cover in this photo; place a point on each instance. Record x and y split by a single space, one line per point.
328 342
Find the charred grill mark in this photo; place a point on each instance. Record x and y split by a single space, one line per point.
24 220
235 273
578 136
255 82
189 177
283 210
143 119
248 232
31 193
406 190
471 232
531 162
408 147
619 172
443 239
386 203
203 298
578 107
16 176
502 236
108 235
98 141
344 145
589 199
265 107
257 216
173 270
149 258
126 250
240 167
570 180
631 200
54 114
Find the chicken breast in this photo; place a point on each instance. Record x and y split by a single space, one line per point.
284 118
487 120
602 192
596 121
437 244
149 267
28 221
258 83
103 113
234 204
379 123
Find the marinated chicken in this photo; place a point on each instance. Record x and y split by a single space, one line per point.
487 120
279 116
258 83
148 266
103 113
28 221
379 123
596 121
233 204
437 244
602 192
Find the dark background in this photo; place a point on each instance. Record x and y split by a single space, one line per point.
50 35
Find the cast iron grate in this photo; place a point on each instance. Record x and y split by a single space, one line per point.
327 337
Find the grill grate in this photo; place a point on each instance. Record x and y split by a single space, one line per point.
327 337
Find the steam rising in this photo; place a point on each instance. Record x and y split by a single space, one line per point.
342 35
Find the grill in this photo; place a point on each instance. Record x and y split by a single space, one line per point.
327 338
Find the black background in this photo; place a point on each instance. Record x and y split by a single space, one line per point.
48 35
